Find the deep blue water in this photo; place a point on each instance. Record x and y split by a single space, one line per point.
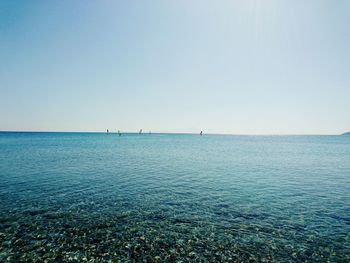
166 198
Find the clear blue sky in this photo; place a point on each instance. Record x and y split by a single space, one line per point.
241 67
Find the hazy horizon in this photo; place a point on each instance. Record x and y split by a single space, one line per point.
234 67
169 132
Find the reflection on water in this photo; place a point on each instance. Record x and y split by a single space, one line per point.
154 198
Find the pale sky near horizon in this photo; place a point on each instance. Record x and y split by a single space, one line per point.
239 67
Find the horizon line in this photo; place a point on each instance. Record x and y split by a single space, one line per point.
189 133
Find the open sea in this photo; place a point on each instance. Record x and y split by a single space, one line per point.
93 197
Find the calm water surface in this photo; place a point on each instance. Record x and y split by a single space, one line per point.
174 198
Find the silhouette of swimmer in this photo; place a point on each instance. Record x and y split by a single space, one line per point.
140 131
107 131
119 133
201 133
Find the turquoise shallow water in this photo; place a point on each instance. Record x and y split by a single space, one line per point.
167 198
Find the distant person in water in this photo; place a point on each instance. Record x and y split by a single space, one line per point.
119 133
201 133
107 131
140 131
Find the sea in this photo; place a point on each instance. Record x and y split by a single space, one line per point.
97 197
